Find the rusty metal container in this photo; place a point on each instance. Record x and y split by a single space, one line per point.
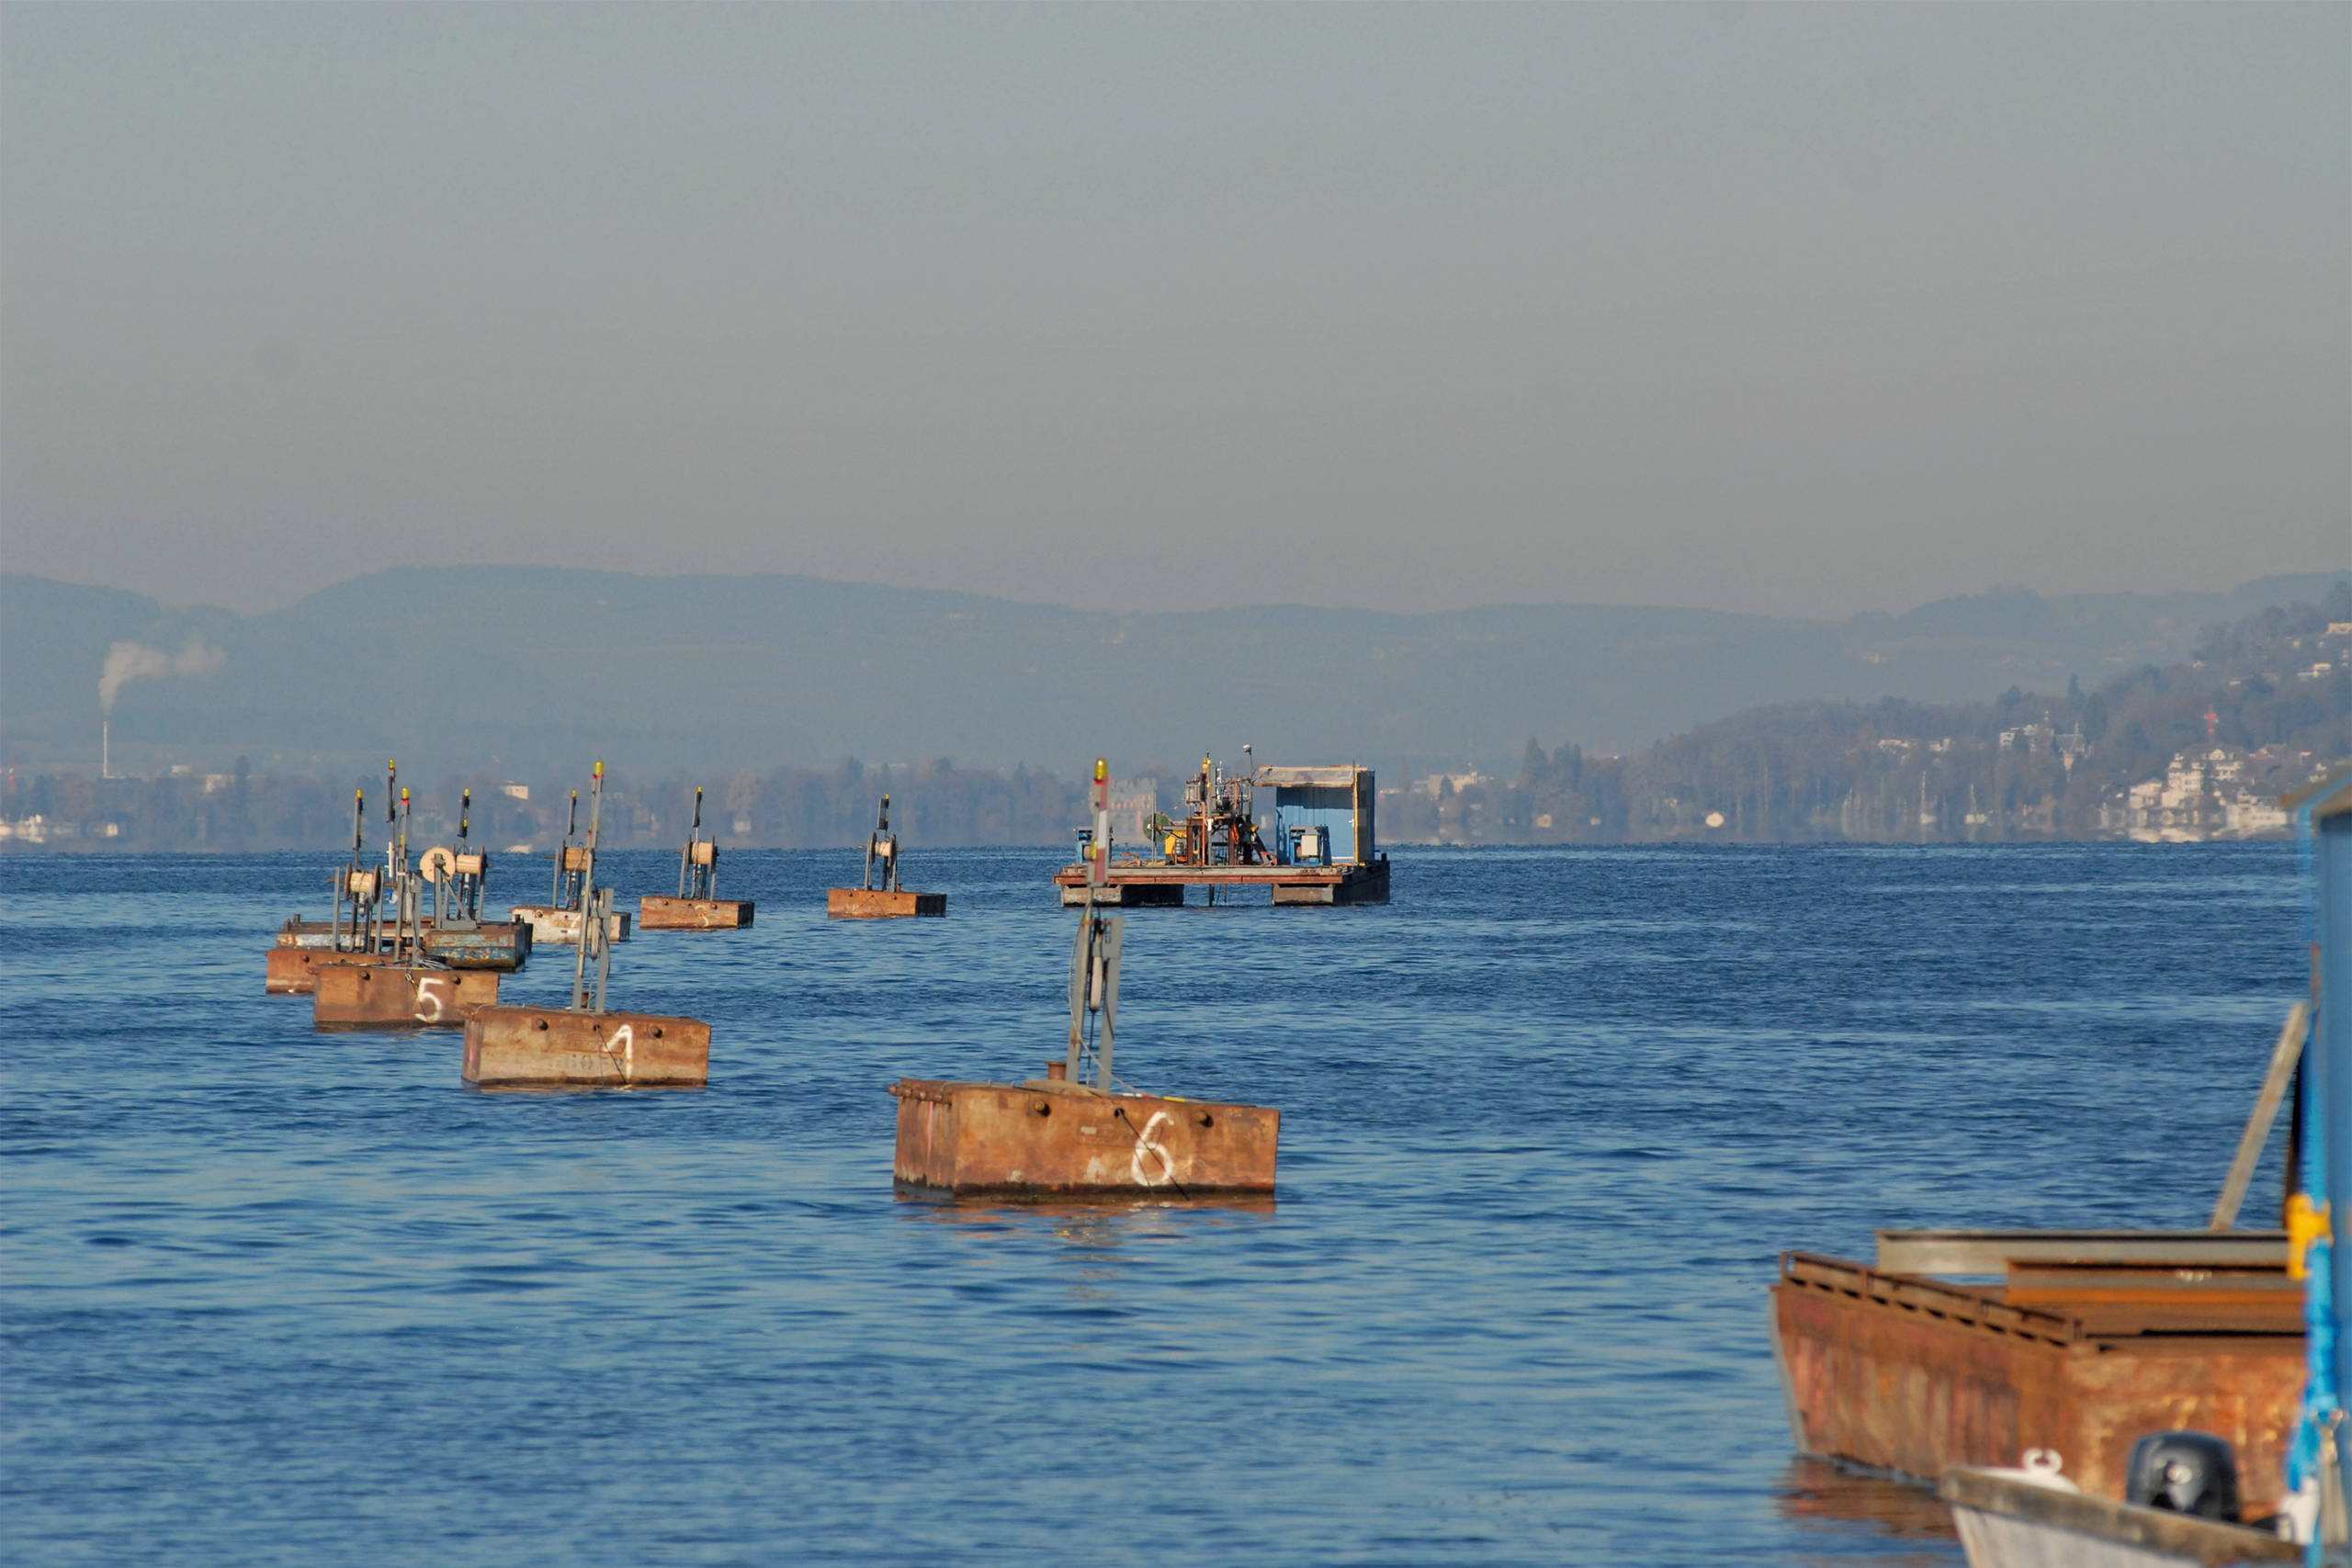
515 1046
1912 1375
1053 1138
660 912
873 904
552 926
291 970
398 996
503 945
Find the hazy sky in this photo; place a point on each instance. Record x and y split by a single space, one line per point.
1796 309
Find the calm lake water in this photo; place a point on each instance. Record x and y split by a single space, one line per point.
279 1297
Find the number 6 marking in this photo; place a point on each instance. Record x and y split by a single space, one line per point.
1143 1141
428 1000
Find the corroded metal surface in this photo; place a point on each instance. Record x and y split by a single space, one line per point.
551 926
1910 1374
518 1045
881 904
502 945
1144 886
289 971
660 912
393 996
1051 1137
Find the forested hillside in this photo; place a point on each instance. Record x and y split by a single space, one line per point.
2273 689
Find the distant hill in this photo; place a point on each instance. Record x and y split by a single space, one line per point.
532 672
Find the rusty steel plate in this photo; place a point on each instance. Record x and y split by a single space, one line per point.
1915 1375
393 996
552 926
1054 1139
516 1047
660 912
865 903
290 971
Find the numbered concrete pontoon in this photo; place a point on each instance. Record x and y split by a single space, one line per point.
696 907
586 1043
1078 1132
877 895
412 990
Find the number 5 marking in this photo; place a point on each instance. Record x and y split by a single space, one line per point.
428 1000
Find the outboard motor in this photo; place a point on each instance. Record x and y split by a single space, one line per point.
2185 1472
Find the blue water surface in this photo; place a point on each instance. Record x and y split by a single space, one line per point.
280 1297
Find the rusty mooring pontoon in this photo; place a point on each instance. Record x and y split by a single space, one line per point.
1968 1347
878 895
453 934
356 934
586 1043
696 908
404 987
557 923
1323 850
1077 1132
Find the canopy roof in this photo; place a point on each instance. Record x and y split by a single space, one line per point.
1328 778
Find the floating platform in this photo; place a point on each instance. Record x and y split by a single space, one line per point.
398 996
292 971
2089 1341
660 912
1051 1138
1162 885
881 904
502 945
520 1047
561 928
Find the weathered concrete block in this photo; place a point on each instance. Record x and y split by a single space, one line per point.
393 996
289 971
1051 1138
561 928
864 903
660 912
518 1045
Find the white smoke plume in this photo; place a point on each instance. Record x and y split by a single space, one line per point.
129 661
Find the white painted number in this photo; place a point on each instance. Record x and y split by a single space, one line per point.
428 999
623 1040
1143 1141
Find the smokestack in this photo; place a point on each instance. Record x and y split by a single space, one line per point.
106 747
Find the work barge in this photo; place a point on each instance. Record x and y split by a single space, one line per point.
1324 848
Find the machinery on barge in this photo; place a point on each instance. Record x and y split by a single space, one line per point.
1317 847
